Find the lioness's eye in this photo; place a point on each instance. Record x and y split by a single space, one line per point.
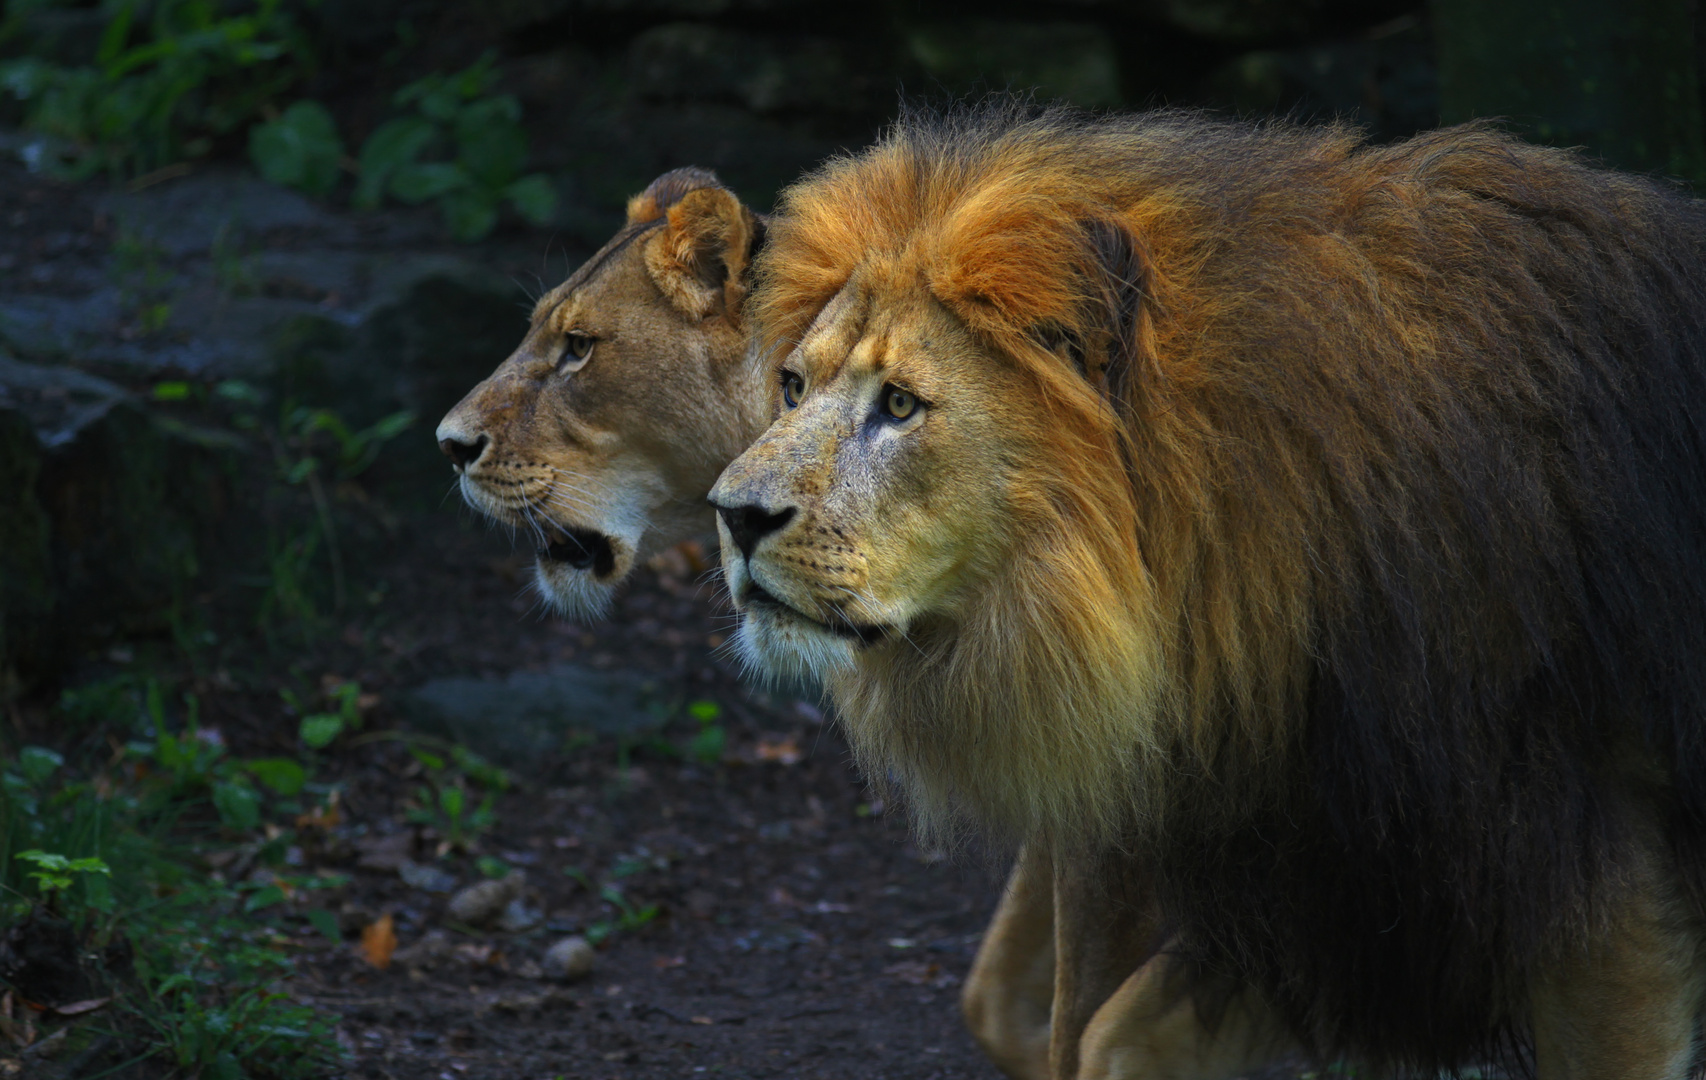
577 350
793 389
898 403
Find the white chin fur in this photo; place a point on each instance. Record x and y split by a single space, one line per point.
574 594
782 648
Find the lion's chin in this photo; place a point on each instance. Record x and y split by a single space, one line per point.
580 592
780 645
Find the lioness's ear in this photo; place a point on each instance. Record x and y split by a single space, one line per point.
700 257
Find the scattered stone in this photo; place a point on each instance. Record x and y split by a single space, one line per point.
518 916
485 901
570 958
426 877
385 852
432 949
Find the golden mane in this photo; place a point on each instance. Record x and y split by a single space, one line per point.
1372 516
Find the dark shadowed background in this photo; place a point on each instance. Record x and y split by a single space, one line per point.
258 667
615 91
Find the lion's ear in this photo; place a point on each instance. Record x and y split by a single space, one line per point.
1113 340
699 259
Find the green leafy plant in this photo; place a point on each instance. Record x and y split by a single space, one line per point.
109 858
166 79
53 873
444 802
319 729
299 148
145 285
450 810
628 916
207 969
190 763
462 147
308 445
707 746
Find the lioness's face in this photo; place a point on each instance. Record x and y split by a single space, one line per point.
862 514
599 436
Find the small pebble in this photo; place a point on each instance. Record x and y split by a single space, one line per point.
483 902
430 950
570 958
517 917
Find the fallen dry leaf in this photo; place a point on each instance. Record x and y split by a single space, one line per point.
78 1008
321 817
379 941
922 973
783 751
703 1020
664 963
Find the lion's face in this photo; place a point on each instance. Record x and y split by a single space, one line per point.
881 499
601 433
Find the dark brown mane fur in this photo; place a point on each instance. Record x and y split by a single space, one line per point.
1415 454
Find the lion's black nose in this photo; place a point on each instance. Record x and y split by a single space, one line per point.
750 524
463 454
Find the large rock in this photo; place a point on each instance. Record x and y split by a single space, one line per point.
525 717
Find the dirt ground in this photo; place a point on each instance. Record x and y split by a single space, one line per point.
800 931
800 934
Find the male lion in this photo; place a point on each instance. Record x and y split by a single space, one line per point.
1303 539
605 428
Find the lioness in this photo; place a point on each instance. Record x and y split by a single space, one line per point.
602 432
1301 539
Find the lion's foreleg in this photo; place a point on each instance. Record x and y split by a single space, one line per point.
1628 1004
1107 924
1150 1029
1010 991
1121 1009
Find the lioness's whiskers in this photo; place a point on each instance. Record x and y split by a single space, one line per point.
598 486
568 499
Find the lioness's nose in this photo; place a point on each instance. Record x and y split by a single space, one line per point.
461 452
749 524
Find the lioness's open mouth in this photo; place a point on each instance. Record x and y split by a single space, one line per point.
582 549
757 596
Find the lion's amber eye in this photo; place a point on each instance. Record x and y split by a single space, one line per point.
793 389
577 350
898 403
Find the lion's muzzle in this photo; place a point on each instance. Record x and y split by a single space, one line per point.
748 525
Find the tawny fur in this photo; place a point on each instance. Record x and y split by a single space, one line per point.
1356 578
624 446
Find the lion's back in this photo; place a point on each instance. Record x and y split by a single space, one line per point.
1434 410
